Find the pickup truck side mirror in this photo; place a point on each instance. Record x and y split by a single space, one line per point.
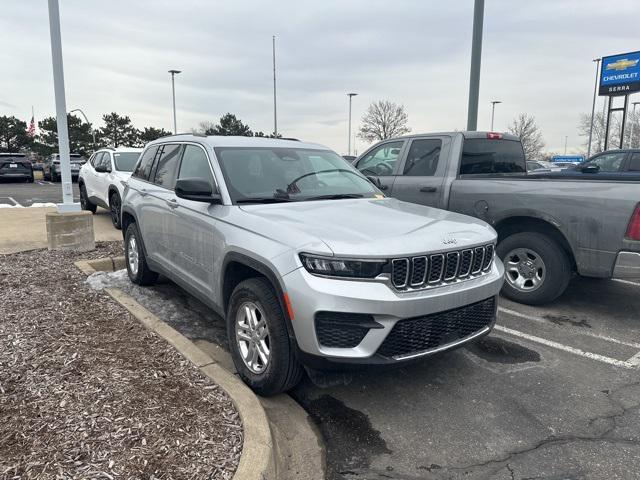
376 181
590 168
197 190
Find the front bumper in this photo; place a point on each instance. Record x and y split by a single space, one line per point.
627 265
310 294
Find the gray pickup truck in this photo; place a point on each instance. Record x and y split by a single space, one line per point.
548 228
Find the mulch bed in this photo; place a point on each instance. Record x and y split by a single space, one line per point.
87 392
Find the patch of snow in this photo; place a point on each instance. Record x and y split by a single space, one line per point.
102 280
35 205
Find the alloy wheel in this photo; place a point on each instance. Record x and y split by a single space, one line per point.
252 336
132 255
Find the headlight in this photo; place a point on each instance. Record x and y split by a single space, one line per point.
342 267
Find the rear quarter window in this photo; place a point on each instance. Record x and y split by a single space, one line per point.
492 156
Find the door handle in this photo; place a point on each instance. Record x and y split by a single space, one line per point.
143 192
428 189
172 202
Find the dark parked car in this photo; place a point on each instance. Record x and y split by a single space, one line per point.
15 166
52 171
609 165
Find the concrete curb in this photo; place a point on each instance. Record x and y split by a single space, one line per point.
257 460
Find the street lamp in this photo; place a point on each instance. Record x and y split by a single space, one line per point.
474 74
93 132
350 95
173 92
566 138
593 106
634 120
493 110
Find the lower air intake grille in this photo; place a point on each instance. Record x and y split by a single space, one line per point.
343 330
420 334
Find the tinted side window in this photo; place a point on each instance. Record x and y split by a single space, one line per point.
609 162
382 160
195 164
422 159
481 155
634 163
165 175
95 161
143 169
105 161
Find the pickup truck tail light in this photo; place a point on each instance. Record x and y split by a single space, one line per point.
633 230
494 136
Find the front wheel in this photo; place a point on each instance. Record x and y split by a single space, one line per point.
85 203
115 205
537 269
262 351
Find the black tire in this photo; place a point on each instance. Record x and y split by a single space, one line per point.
143 275
53 176
557 267
283 370
85 203
115 205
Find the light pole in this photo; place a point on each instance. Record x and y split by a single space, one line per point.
476 55
634 120
593 106
93 132
350 95
566 138
275 111
67 204
173 93
493 110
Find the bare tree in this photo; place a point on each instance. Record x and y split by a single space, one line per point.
599 125
382 120
525 127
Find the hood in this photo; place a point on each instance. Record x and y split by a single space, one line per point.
371 227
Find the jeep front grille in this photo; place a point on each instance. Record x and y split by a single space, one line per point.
440 268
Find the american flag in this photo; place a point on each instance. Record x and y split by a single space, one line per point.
31 131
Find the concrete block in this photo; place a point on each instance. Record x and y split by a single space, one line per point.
70 231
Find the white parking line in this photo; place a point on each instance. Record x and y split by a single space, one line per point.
14 201
567 348
628 282
581 332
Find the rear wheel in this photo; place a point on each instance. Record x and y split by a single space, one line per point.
85 203
261 348
115 206
137 267
537 269
53 175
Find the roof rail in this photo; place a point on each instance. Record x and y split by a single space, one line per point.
287 138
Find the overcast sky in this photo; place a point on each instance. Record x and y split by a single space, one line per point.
537 58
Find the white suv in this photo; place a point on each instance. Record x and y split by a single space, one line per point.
101 179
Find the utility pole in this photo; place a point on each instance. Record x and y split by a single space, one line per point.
493 111
566 138
476 56
593 106
173 94
93 132
67 204
275 111
634 120
350 95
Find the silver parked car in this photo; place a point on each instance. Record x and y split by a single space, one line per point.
305 258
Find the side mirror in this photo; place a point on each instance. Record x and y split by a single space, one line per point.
590 169
197 190
101 169
376 181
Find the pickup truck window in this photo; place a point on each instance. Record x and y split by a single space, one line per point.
381 161
634 163
481 155
422 160
607 162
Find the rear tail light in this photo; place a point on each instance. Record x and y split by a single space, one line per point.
633 230
494 136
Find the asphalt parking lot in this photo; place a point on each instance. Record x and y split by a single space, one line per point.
553 392
26 194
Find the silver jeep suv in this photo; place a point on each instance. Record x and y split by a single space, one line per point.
306 259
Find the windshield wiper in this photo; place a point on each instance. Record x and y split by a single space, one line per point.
336 196
264 200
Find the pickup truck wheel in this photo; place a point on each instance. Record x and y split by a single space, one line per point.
258 339
114 207
85 203
137 267
537 269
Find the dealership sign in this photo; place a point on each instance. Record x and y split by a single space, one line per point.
620 74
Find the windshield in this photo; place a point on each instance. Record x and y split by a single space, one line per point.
289 174
126 161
